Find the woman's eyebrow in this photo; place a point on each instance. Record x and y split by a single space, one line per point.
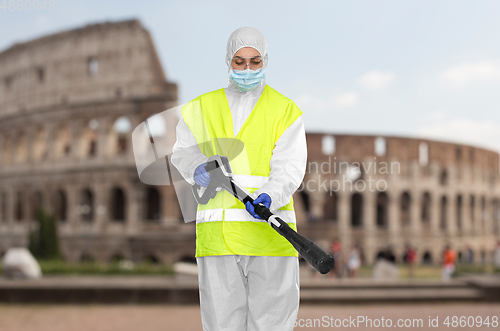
244 57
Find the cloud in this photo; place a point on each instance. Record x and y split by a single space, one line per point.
307 100
345 100
376 80
470 73
441 126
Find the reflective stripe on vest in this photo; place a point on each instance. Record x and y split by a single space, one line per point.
223 226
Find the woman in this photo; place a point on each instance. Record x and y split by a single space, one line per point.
248 274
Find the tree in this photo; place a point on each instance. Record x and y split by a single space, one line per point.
44 241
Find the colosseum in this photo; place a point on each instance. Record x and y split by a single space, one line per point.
70 101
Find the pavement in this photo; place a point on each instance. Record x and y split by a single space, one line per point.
410 316
183 289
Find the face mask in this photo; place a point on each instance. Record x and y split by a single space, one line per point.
248 79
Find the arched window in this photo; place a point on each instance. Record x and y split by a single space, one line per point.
459 211
36 205
423 154
357 210
86 207
328 145
443 178
427 258
472 212
93 65
18 210
444 213
117 204
426 208
405 208
382 209
330 207
60 205
380 146
120 133
495 215
152 204
3 207
483 212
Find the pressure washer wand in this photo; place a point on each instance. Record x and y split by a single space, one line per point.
221 177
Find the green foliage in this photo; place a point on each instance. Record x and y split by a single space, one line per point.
57 267
44 241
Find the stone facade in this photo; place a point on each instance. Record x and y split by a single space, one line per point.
401 191
68 104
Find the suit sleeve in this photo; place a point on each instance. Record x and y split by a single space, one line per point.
186 154
288 165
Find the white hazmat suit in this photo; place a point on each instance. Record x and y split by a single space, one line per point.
240 292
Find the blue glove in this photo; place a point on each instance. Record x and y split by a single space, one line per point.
264 198
201 176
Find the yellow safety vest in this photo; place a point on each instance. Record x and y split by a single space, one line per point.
223 226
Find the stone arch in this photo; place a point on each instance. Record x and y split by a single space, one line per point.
330 207
118 204
405 203
305 198
18 206
152 204
21 152
472 215
37 204
6 150
357 210
443 177
3 207
88 139
40 149
459 210
119 133
86 207
483 211
60 205
495 215
62 141
443 219
427 257
151 258
382 209
87 257
426 208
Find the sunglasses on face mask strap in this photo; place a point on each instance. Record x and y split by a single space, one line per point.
241 63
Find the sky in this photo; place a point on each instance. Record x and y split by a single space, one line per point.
421 68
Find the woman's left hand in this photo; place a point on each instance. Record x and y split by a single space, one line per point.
263 198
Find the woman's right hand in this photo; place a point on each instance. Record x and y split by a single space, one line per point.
201 176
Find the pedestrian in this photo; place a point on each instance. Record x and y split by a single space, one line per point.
353 262
248 274
449 258
337 255
411 257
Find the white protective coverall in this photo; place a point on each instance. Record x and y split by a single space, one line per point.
240 292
